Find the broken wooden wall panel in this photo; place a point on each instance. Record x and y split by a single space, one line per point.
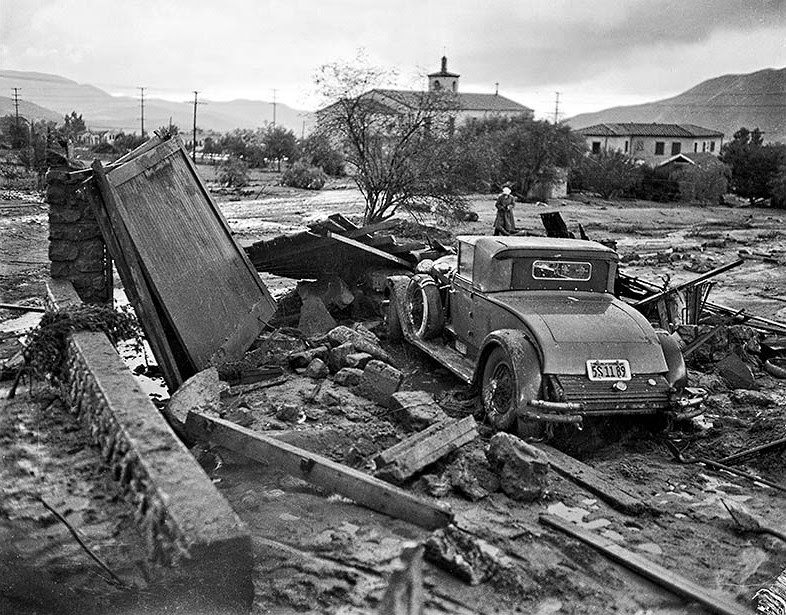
209 292
412 454
136 287
591 479
714 601
365 490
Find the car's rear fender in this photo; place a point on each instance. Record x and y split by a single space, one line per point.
525 357
677 376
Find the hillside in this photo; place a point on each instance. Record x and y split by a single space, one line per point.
724 103
57 96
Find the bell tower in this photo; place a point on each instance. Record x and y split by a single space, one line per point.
443 80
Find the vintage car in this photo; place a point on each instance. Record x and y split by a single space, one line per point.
533 321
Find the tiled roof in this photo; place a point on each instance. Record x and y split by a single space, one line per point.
465 101
686 131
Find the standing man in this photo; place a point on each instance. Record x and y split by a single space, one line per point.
504 224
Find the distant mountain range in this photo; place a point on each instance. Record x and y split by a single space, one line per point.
44 96
724 103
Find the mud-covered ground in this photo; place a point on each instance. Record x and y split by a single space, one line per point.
320 553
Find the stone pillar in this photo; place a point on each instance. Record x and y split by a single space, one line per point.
76 248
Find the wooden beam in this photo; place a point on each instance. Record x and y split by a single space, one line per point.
425 447
363 247
715 601
693 282
592 480
335 477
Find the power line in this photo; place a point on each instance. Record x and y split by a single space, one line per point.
142 103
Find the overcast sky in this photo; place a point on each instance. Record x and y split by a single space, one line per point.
596 53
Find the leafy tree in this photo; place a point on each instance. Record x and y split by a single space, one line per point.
753 164
211 146
519 149
126 142
300 175
777 185
279 143
316 151
244 144
73 126
609 174
168 129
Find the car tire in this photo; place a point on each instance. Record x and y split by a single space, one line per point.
393 321
499 390
424 307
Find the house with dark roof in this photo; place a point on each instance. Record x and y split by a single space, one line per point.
652 143
460 107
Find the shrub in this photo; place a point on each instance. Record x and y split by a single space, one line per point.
609 174
300 175
233 173
701 184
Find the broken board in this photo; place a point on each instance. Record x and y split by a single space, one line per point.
205 287
592 480
337 478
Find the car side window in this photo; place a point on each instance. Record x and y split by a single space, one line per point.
466 260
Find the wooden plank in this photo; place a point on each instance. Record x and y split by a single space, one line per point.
715 601
425 447
137 289
151 143
371 228
689 283
592 480
363 247
362 488
211 297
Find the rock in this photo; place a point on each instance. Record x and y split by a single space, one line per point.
276 348
289 413
200 393
348 376
337 357
331 292
379 382
361 342
415 410
736 373
304 357
473 560
436 486
752 398
522 469
314 317
358 359
317 369
471 476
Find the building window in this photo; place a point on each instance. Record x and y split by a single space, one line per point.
454 85
626 147
696 146
676 147
660 148
704 146
712 146
596 147
437 85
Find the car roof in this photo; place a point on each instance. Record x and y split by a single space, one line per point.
508 247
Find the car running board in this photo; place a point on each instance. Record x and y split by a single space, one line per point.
454 361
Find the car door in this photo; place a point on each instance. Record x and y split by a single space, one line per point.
462 297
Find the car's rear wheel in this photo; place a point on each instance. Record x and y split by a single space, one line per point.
424 307
499 389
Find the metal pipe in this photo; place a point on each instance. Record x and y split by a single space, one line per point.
552 418
556 406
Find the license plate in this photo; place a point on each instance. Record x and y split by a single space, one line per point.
608 369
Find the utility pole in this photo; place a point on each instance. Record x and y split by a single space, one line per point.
556 108
274 107
142 93
496 88
16 107
193 146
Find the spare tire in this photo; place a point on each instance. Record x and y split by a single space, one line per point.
424 307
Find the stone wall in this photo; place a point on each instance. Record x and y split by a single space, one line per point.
76 249
193 538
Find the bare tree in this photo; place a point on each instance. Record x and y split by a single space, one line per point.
392 139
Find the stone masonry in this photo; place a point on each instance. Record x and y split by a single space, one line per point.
190 530
76 249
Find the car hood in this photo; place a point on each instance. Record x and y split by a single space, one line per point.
572 328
